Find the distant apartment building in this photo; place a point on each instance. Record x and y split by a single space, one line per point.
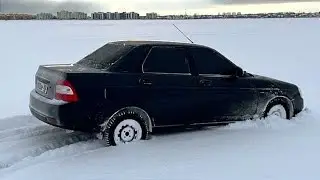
151 15
44 16
108 15
132 15
114 15
98 15
71 15
79 15
64 15
123 15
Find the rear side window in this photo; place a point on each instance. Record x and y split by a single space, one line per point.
208 61
166 60
132 61
105 56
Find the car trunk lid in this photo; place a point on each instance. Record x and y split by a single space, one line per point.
47 77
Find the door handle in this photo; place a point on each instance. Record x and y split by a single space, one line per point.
205 82
145 82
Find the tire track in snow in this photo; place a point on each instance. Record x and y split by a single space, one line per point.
18 122
29 136
25 132
55 154
13 153
24 138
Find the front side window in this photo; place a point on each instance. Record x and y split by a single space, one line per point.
166 60
208 61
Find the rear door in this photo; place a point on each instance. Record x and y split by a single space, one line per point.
169 85
221 96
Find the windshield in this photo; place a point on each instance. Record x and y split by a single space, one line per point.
105 56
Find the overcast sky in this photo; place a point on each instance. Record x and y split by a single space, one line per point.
35 6
259 1
162 6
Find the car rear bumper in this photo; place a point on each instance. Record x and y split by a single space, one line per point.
60 114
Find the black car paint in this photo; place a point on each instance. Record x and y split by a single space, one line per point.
269 88
170 99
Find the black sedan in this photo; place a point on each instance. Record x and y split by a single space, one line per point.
126 89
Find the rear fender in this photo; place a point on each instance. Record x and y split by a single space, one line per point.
135 110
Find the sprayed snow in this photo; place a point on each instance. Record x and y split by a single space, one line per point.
269 149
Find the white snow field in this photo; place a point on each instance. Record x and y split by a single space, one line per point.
270 149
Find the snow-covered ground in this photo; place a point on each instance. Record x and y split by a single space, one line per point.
271 149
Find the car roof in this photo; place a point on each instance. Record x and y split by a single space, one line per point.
156 43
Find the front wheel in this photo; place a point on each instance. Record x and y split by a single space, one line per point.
277 110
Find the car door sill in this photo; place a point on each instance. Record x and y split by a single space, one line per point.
195 124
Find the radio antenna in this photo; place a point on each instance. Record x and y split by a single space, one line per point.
183 33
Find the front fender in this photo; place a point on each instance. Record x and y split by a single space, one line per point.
268 95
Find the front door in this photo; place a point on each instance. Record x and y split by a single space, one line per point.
221 96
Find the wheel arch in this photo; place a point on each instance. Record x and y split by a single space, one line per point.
135 110
283 100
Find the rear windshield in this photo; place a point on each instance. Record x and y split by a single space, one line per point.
105 56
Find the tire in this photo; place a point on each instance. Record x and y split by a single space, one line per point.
125 127
278 108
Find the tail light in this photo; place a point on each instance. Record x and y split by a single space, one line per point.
65 91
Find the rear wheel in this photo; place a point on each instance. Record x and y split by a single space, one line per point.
125 127
128 130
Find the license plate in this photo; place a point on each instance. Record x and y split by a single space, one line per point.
42 87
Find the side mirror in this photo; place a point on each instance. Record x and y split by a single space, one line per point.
238 72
